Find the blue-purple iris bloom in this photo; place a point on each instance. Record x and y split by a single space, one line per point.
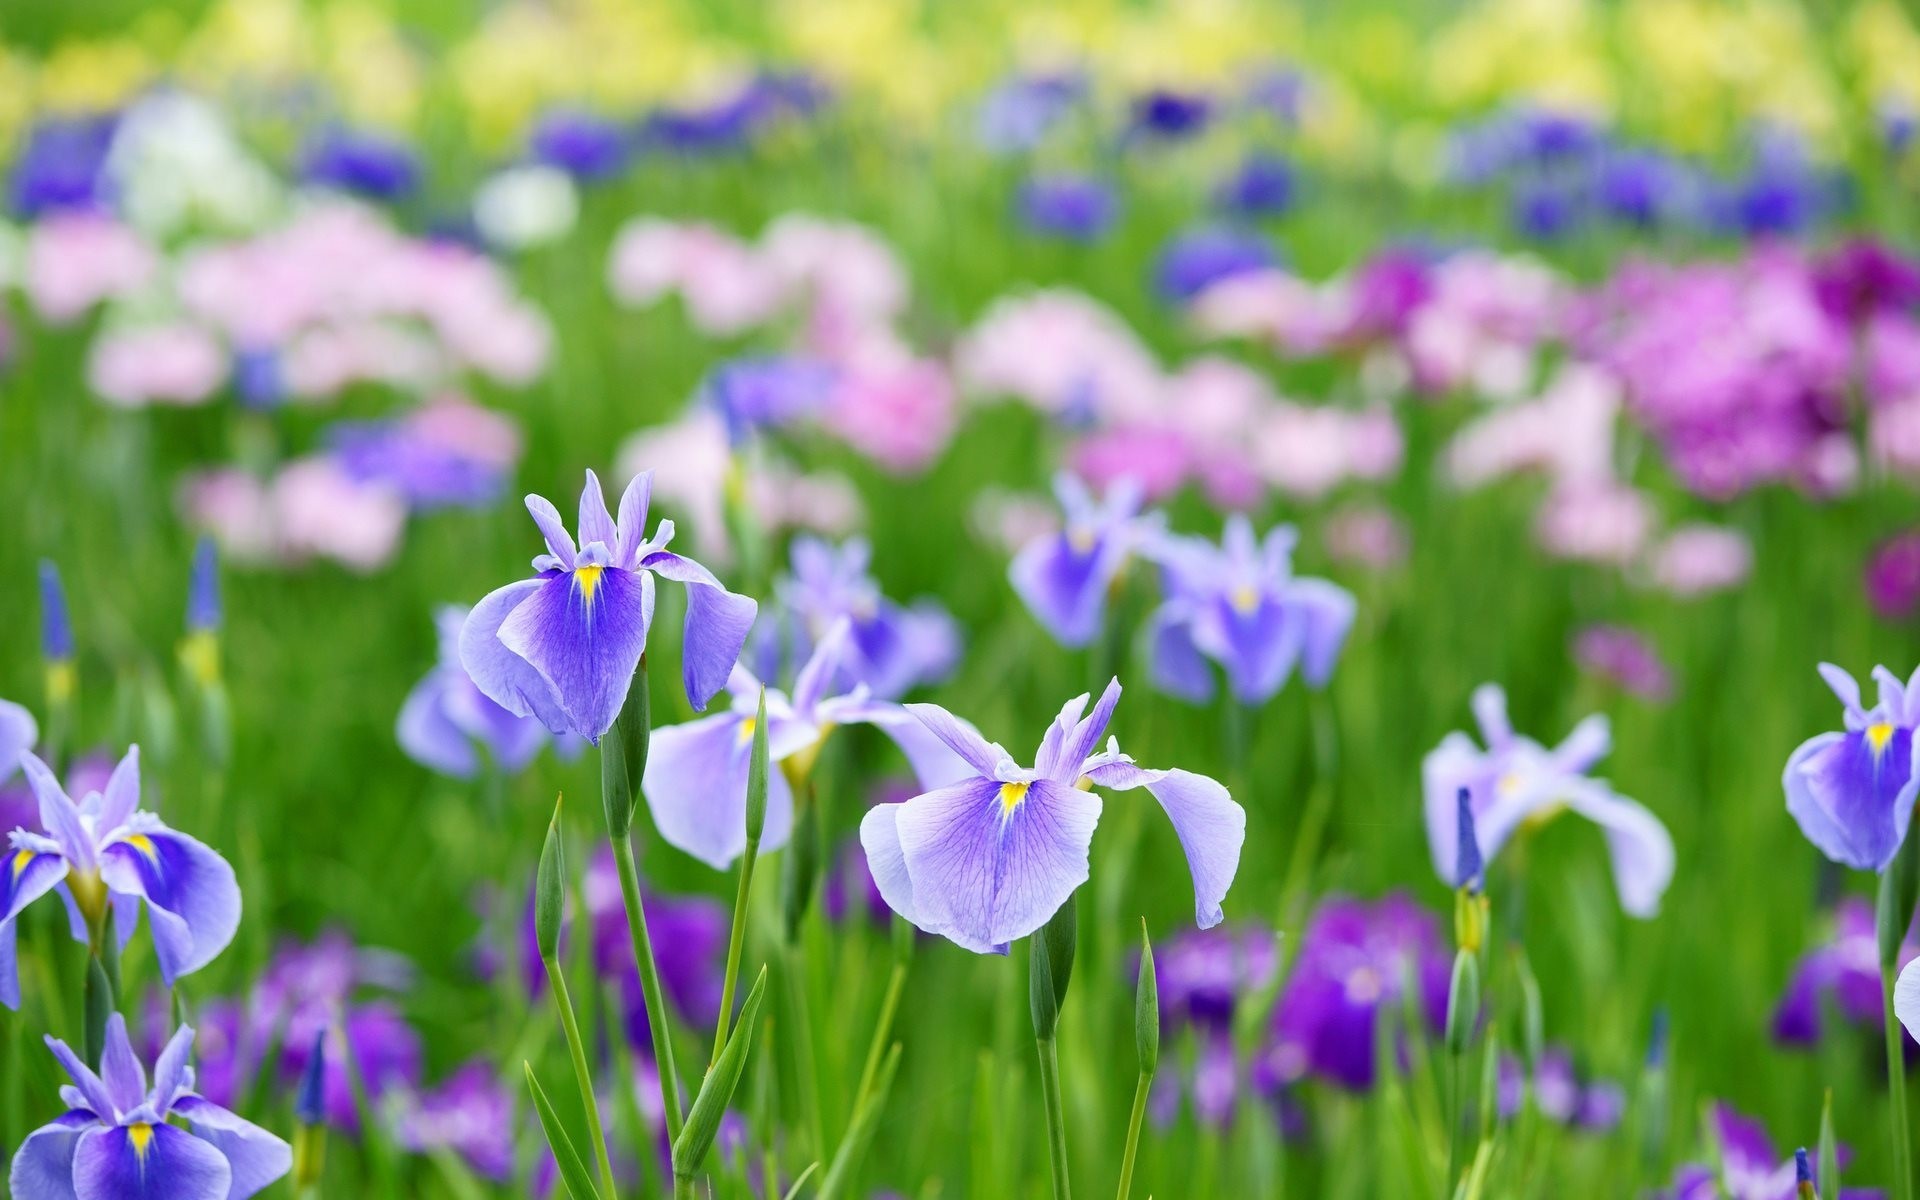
1262 186
991 858
752 394
1203 975
106 851
471 1114
584 145
696 774
428 472
115 1139
893 647
1751 1168
1063 578
1240 605
447 723
367 164
1193 261
1852 791
203 588
1078 208
1560 1094
1171 115
62 166
1516 782
563 645
1018 114
1841 978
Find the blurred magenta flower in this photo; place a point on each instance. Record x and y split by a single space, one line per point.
1852 792
1892 577
106 851
1064 578
1862 277
896 409
563 645
449 725
1240 605
116 1138
991 858
1516 782
1841 977
1624 658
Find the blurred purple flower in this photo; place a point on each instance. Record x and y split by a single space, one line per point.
1018 113
368 164
1892 577
1192 261
1561 1095
584 145
1624 658
752 394
1075 207
449 454
893 647
62 166
1064 578
470 1113
1750 1167
447 722
1171 115
1263 185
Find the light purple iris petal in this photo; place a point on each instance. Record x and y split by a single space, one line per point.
121 795
1065 584
1816 823
92 1091
886 862
1906 996
428 734
18 733
984 875
1639 845
596 523
193 901
934 762
43 1164
59 816
1859 798
506 678
632 525
718 622
584 634
172 1165
961 737
255 1157
553 528
1211 825
696 787
1071 739
1327 611
170 1071
1257 643
120 1068
1178 667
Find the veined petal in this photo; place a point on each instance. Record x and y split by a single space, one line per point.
1853 793
122 795
120 1067
59 815
583 631
255 1157
632 525
43 1164
935 763
887 863
146 1161
553 528
1212 827
596 523
1640 846
989 867
696 787
718 622
193 902
502 675
961 737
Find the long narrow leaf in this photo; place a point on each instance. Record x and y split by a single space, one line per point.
716 1090
573 1171
853 1147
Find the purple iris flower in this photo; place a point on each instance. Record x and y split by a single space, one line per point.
1750 1166
1018 114
1546 210
893 648
115 1138
1642 188
104 851
990 859
1171 115
18 733
62 166
1516 782
1078 208
428 469
1240 605
585 146
1853 791
752 394
1262 186
1064 577
1842 976
1353 962
563 645
696 774
384 1050
367 164
1592 1106
1203 974
447 721
471 1114
1193 261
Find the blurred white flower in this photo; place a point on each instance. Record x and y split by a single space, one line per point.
177 166
528 206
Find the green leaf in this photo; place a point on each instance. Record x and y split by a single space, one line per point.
794 1191
716 1090
1827 1167
757 774
574 1172
853 1146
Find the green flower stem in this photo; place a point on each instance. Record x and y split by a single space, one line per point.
649 985
1897 1095
1133 1134
1056 1116
582 1074
734 941
896 984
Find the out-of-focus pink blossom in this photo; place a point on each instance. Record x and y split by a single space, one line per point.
1893 431
1307 451
1483 323
457 423
233 506
176 363
837 266
1892 577
1367 536
1567 433
319 510
1154 457
899 412
1696 559
1272 306
1623 658
75 260
728 286
1597 521
323 360
1005 521
1063 353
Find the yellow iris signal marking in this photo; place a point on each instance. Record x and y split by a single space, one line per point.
1011 794
1879 735
588 578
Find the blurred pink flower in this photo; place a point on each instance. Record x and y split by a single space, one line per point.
1271 306
75 260
1154 457
1892 577
899 412
1368 536
1623 658
475 432
1696 559
1005 521
177 363
1567 433
232 505
319 510
1064 354
1308 451
1595 521
840 267
1482 324
727 286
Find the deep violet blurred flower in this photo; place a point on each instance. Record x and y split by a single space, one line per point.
563 645
1075 207
988 860
62 166
1863 277
368 164
584 145
1263 185
1624 658
752 394
448 454
1750 1166
1192 261
1204 973
56 626
1351 966
1064 578
690 947
696 774
470 1113
1018 114
1546 210
1892 577
1516 782
448 724
1240 605
1560 1093
1841 976
893 647
1642 188
1852 792
733 120
106 851
1171 115
115 1139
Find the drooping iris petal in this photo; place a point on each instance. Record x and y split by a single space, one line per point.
1063 580
583 631
886 862
1327 612
696 788
1178 667
43 1164
1212 828
961 737
1639 845
148 1162
990 865
193 901
1853 793
718 622
428 734
508 680
18 733
254 1157
1256 637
